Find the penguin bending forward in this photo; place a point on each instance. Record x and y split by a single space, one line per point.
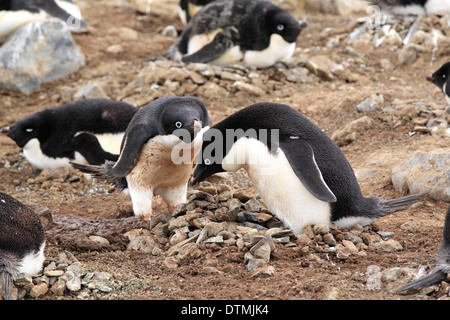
87 131
442 268
441 78
157 153
22 241
16 13
301 175
250 32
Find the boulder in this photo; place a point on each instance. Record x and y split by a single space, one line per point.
36 53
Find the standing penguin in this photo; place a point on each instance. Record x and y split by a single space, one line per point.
88 131
22 241
302 176
413 7
16 13
250 32
442 268
441 78
157 153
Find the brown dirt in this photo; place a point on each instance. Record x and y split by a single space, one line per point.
82 210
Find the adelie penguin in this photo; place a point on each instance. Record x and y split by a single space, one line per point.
441 78
301 175
157 153
87 131
442 267
414 7
22 241
250 32
16 13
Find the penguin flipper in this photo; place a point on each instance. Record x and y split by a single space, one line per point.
301 158
89 147
132 143
222 42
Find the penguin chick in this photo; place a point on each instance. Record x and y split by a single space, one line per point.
302 176
22 241
157 153
250 32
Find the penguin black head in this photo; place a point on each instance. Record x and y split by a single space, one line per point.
180 116
283 23
441 76
24 130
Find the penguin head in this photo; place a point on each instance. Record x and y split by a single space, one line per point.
283 23
441 76
184 117
24 130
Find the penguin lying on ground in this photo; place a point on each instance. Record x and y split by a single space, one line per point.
250 32
16 13
22 241
413 7
157 153
301 175
88 131
442 268
441 78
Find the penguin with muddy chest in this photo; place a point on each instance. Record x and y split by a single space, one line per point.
250 32
301 175
157 153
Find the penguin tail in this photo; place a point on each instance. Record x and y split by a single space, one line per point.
434 277
6 283
101 172
390 206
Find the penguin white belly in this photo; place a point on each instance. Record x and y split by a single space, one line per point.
444 89
277 184
70 7
11 20
33 153
278 50
200 40
438 6
413 9
32 263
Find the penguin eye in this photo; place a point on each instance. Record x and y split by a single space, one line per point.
444 76
280 27
29 130
207 162
178 124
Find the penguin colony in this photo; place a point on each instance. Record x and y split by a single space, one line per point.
303 177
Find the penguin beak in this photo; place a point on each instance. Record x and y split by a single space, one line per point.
302 24
4 130
430 78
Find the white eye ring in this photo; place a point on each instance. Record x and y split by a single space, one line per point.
178 124
29 130
207 162
280 27
444 76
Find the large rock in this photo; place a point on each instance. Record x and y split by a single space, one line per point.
36 53
425 171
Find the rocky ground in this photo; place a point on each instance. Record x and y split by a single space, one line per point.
365 89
